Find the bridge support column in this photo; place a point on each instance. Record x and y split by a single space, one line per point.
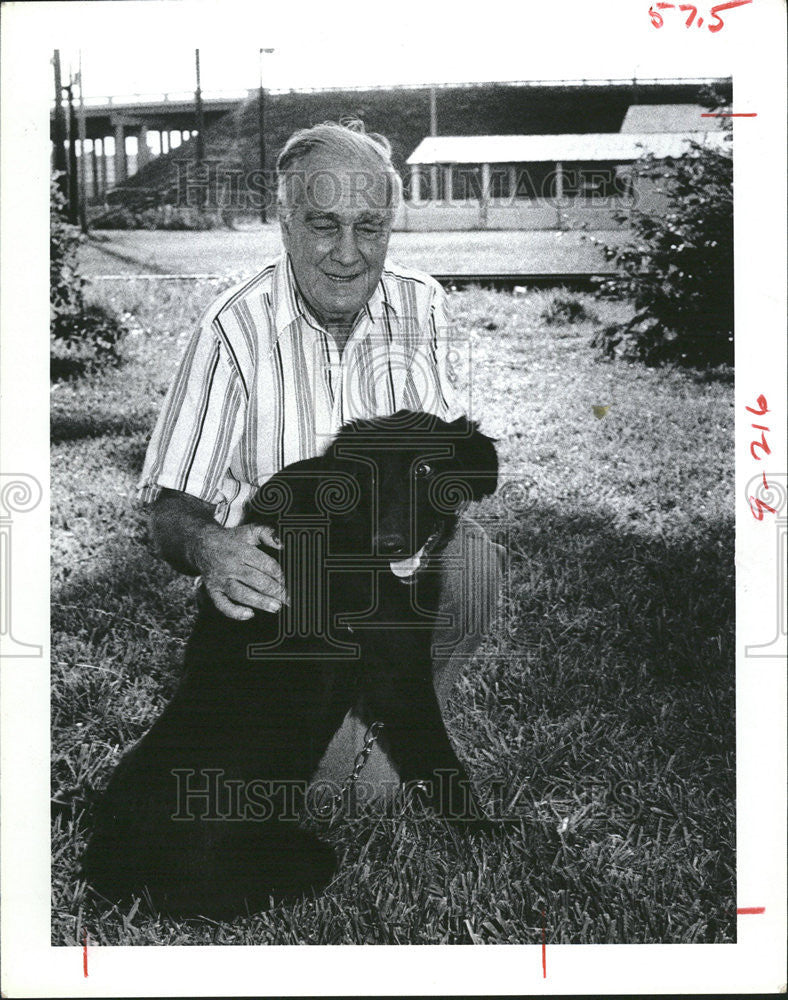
143 153
94 176
103 168
121 167
165 142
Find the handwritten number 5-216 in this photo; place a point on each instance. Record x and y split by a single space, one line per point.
657 20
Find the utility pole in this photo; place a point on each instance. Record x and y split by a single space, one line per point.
83 215
199 145
261 139
59 130
73 186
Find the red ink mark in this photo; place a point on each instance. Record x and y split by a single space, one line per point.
751 909
738 114
758 515
544 945
724 6
760 444
718 24
759 505
691 18
656 19
85 957
761 401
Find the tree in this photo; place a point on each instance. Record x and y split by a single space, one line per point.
65 283
82 335
678 268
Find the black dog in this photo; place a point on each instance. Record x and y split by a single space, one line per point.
196 812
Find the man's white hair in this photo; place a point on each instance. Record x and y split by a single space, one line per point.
346 140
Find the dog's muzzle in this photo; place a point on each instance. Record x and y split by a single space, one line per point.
406 569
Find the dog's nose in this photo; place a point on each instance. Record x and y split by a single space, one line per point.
391 545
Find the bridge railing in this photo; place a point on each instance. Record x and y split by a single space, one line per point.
167 97
180 97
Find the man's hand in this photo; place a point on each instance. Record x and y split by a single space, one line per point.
237 575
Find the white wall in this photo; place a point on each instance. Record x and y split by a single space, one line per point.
526 214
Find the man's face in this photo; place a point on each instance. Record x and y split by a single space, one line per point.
338 234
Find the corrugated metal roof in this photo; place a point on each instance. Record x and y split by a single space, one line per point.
548 148
646 118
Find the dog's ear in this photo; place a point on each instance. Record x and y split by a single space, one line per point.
291 492
476 456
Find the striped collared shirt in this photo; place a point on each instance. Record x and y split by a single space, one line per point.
263 384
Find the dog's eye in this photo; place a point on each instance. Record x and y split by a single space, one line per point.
422 470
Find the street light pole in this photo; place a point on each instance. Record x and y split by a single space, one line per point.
261 139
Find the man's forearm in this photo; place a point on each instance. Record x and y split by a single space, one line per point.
178 526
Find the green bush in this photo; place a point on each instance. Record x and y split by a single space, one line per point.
81 335
678 269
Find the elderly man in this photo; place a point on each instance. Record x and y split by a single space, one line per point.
327 333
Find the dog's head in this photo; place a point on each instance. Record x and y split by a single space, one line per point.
390 488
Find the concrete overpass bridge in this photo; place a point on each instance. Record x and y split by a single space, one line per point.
123 133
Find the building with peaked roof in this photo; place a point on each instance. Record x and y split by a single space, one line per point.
539 148
545 181
668 118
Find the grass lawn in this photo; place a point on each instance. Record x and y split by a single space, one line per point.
603 703
242 252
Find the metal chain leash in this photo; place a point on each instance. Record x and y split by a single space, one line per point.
331 808
360 762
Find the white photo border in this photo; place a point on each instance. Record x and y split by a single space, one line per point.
31 966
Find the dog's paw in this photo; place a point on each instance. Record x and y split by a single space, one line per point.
449 795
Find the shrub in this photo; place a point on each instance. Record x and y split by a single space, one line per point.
65 283
563 307
678 269
169 217
84 340
81 335
115 218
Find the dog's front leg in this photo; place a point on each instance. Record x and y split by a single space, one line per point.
416 740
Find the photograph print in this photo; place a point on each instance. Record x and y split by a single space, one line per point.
393 615
396 481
